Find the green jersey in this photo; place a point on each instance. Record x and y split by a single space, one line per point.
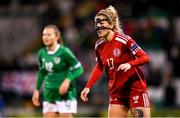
55 66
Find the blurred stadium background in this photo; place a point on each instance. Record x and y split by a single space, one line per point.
154 24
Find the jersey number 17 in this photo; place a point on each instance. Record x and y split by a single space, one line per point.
110 63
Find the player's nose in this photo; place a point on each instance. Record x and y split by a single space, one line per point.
98 24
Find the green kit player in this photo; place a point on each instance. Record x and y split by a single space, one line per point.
58 67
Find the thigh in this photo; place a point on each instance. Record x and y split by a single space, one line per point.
139 100
49 109
140 112
140 105
67 106
117 110
66 115
50 115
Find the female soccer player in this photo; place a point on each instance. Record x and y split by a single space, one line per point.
120 56
58 67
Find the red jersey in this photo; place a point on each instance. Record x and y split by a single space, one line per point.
110 54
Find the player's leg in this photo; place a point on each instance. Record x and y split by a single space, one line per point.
49 110
140 105
66 108
116 110
140 112
66 115
50 115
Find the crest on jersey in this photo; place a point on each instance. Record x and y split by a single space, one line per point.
116 52
136 98
57 60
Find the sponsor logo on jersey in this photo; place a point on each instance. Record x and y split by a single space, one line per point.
116 52
57 60
136 98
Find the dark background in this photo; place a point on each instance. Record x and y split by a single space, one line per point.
154 24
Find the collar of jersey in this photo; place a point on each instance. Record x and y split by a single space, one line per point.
114 35
54 51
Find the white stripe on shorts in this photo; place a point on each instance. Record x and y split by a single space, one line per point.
146 100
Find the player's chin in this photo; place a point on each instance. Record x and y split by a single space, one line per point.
100 35
47 44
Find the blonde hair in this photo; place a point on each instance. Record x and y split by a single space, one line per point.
111 13
57 32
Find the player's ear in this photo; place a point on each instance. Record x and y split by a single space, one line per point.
57 38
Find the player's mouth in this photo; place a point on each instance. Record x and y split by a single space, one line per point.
99 32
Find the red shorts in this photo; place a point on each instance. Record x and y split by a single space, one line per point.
137 99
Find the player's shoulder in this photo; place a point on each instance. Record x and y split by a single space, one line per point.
123 38
42 51
65 50
99 42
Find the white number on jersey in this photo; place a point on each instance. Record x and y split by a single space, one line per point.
49 66
110 62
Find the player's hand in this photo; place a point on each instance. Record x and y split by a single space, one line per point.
63 89
35 98
84 94
125 67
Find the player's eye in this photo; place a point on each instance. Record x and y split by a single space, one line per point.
48 34
98 20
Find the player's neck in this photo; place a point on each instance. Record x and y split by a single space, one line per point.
110 36
52 47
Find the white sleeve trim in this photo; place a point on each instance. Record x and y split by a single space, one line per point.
76 66
121 40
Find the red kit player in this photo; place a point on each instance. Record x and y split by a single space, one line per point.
120 56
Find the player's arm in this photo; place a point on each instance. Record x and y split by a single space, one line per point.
98 69
75 69
40 78
141 57
35 97
96 73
